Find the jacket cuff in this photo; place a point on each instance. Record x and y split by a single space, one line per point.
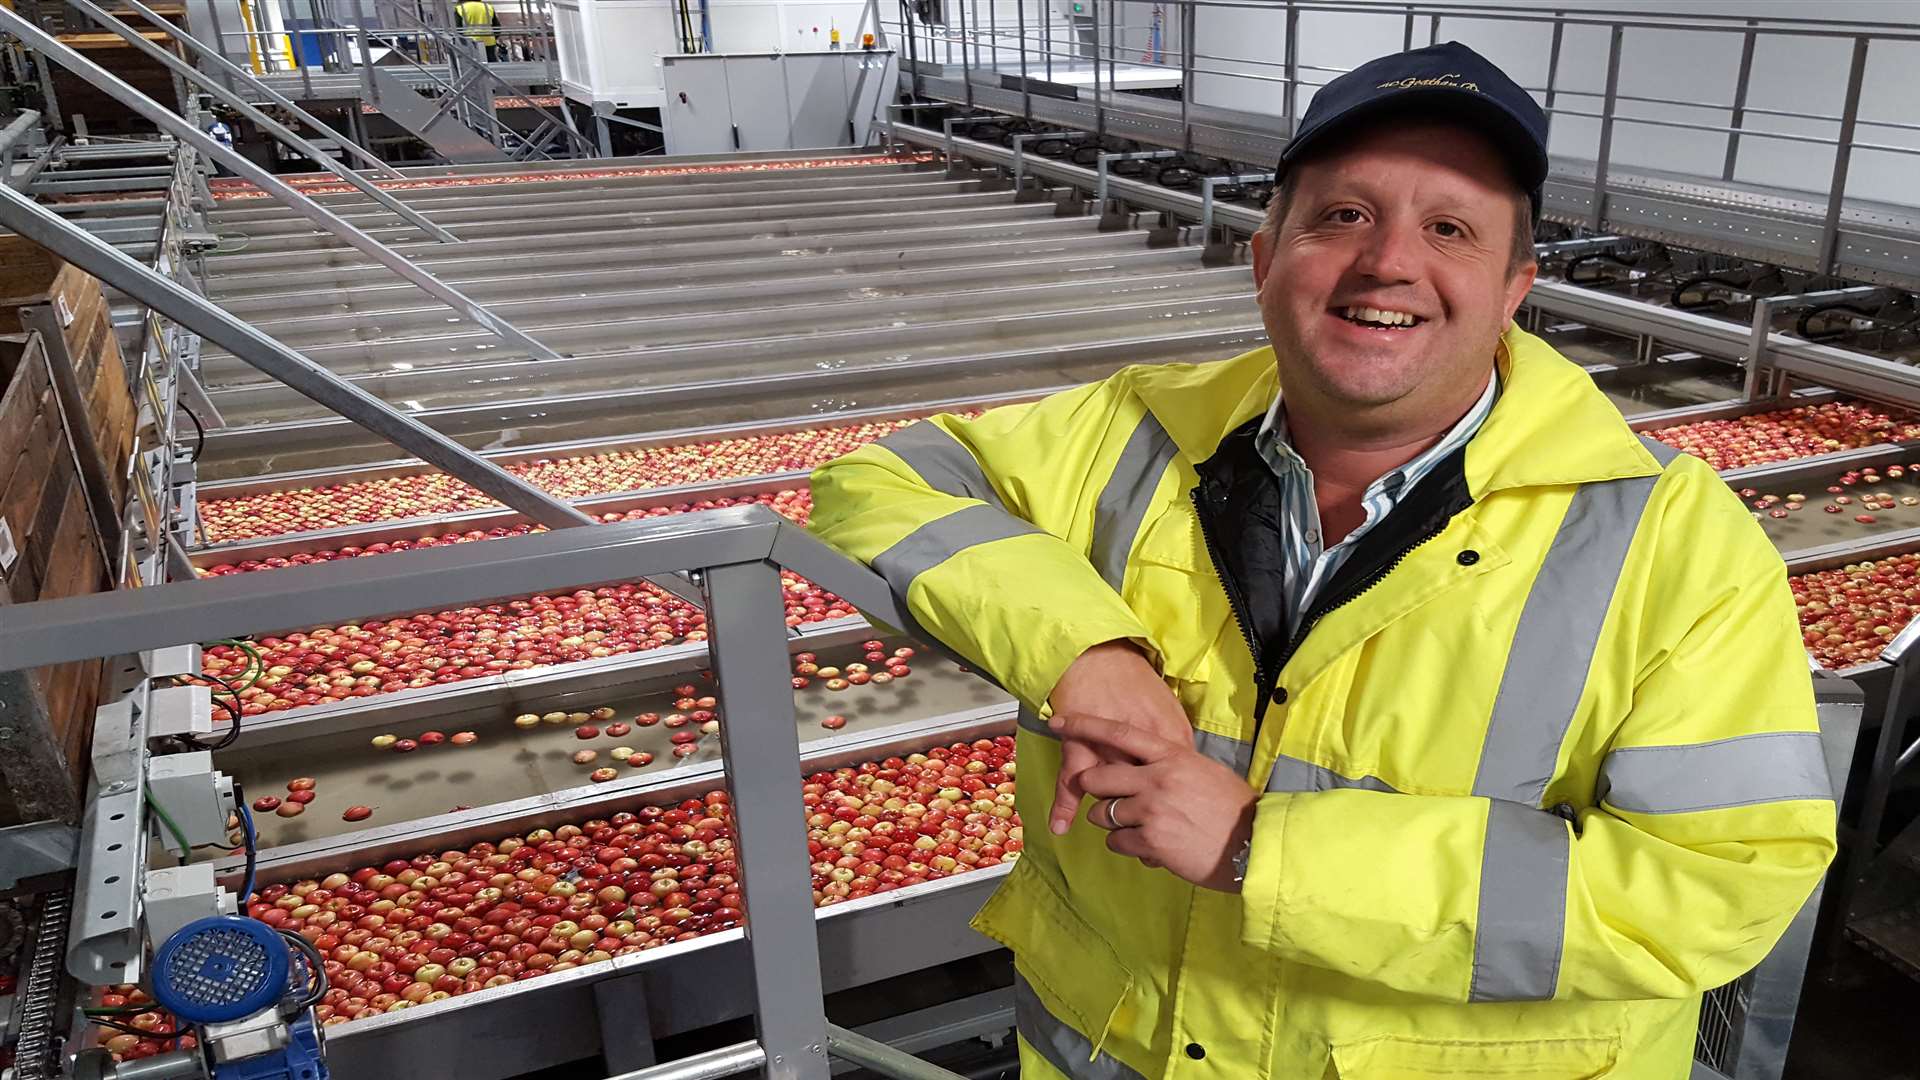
1260 893
1048 656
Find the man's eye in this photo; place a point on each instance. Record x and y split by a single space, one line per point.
1446 228
1346 215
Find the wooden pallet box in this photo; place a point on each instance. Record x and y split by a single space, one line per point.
49 544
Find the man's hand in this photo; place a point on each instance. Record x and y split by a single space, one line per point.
1114 681
1163 802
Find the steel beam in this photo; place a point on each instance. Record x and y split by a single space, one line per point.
760 747
267 123
187 308
51 49
232 71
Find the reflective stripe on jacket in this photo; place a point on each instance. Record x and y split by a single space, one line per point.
1523 799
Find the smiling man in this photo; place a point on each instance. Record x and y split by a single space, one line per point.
1405 715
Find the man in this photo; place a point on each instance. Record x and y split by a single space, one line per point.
472 14
1409 716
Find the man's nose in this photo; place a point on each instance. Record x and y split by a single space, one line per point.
1389 253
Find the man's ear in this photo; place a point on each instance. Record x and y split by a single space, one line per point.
1260 257
1517 287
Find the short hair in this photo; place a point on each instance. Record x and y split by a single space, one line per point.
1520 254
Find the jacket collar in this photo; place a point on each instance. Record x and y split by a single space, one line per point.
1551 426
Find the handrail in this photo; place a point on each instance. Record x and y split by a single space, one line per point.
576 141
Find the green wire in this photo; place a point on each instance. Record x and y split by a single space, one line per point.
256 666
178 836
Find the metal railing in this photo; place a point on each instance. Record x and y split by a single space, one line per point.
992 51
736 555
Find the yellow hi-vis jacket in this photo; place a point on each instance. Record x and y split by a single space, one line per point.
1523 801
477 17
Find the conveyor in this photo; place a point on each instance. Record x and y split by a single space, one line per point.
923 308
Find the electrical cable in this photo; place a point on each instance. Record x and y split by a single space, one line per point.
232 710
159 1036
315 964
256 666
252 844
199 433
167 820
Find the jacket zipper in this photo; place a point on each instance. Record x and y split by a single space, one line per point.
1322 609
1236 602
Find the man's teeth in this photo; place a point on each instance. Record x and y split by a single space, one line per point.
1379 317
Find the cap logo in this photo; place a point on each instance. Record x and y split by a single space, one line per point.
1451 78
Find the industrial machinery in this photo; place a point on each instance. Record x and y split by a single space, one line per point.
345 636
247 993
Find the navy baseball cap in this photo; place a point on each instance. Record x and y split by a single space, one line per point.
1447 81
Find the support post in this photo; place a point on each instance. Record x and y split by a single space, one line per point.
1553 67
51 48
1099 100
966 65
1188 28
1757 368
266 123
761 749
1406 34
1599 207
1842 157
1292 70
1740 100
163 295
1026 93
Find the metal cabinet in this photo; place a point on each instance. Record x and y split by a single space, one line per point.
719 102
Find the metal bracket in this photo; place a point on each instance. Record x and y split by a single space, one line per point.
106 944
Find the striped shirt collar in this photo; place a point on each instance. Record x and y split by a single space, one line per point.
1308 564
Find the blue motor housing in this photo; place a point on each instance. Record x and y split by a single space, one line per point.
226 967
221 968
298 1060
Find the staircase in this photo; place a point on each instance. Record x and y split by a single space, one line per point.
452 108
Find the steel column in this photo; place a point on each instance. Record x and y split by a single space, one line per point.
187 308
760 746
1553 66
1598 210
1292 70
1406 36
1188 24
1099 102
269 124
1740 101
1842 157
1026 93
966 59
49 46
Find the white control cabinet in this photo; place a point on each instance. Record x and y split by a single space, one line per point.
612 52
717 103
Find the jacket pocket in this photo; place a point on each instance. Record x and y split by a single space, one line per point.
1072 969
1393 1058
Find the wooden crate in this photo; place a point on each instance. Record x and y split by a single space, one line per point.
51 548
29 276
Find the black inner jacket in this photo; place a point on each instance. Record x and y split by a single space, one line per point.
1239 505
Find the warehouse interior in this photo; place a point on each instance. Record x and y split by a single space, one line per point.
292 284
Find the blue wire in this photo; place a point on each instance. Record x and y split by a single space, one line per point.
253 851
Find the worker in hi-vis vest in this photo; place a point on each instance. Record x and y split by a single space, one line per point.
479 18
1389 709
